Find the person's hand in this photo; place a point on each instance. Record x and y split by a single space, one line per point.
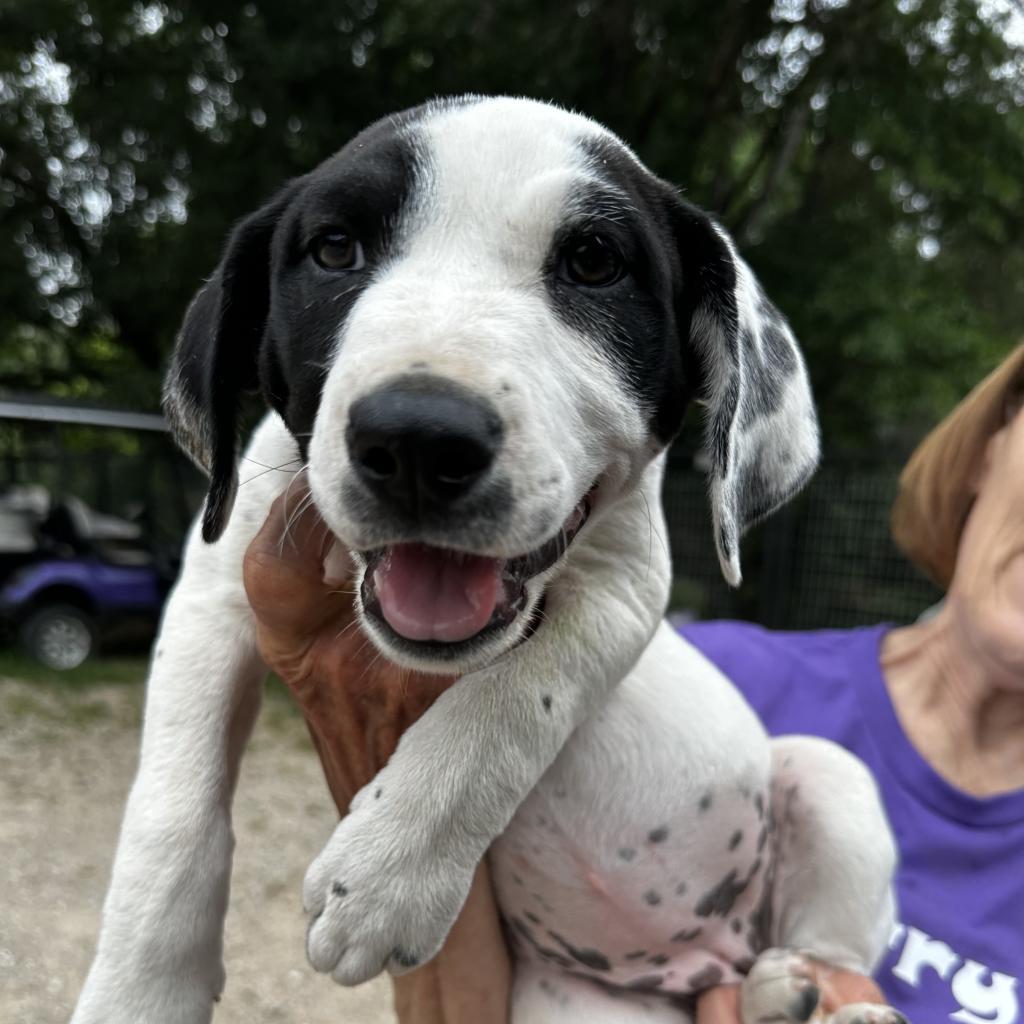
838 988
357 705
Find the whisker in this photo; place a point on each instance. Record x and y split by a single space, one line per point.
303 505
326 544
346 629
290 462
650 533
369 665
266 470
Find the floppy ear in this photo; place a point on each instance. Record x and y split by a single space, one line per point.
761 429
216 357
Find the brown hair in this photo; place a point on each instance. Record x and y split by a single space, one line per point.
936 489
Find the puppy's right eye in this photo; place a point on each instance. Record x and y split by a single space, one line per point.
592 261
336 250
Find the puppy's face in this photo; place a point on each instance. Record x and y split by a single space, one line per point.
500 341
481 320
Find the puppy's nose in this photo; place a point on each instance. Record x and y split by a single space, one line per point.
423 442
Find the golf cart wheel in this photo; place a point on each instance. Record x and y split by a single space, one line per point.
59 636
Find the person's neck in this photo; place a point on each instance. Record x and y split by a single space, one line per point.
957 705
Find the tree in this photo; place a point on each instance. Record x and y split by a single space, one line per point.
869 156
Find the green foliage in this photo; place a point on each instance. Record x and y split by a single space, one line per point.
869 156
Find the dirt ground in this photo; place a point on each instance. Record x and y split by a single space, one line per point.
67 758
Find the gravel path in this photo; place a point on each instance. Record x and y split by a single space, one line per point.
67 758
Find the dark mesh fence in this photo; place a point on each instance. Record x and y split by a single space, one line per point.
825 560
140 477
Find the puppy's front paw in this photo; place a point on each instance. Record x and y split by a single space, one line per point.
378 898
781 987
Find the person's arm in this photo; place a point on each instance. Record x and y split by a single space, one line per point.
357 705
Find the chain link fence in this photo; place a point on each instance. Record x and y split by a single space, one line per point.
826 560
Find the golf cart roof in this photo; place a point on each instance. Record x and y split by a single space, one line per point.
46 409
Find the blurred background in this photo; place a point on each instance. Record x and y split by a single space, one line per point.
868 155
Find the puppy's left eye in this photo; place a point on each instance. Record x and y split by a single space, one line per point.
336 250
592 261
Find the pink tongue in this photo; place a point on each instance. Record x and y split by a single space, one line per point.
431 594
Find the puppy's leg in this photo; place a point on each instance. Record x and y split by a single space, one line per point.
542 996
391 880
159 954
835 855
831 898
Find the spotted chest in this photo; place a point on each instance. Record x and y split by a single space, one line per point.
673 904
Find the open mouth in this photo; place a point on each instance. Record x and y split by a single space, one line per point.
437 597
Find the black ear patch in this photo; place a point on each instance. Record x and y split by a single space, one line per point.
217 354
761 428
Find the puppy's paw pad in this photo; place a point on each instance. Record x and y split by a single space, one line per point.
779 988
867 1013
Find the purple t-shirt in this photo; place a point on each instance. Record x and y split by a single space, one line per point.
958 952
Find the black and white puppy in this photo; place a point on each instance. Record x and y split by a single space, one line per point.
478 327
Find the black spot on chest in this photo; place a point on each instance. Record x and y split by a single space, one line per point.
592 958
719 900
646 983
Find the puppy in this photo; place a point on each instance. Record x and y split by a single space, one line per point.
478 327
